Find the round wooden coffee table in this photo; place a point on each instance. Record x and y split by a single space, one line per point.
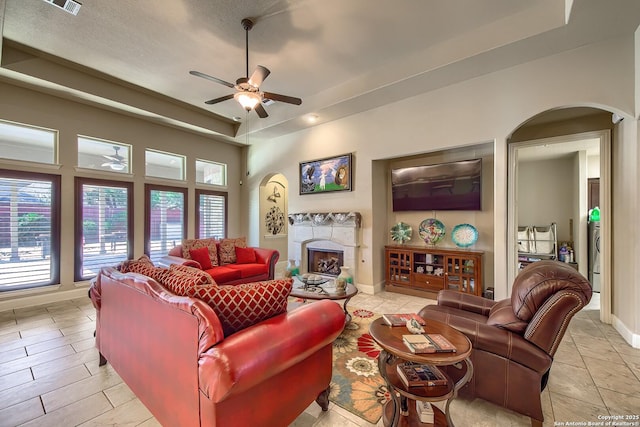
324 291
394 351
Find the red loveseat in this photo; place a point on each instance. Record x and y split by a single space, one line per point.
231 274
170 350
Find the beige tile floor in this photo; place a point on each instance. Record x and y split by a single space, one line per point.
49 374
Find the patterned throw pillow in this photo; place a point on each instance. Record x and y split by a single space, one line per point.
189 244
183 280
227 249
241 306
142 265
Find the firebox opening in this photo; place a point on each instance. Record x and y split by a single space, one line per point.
322 261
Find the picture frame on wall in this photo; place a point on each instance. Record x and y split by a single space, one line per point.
326 175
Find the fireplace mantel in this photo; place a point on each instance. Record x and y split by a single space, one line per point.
325 218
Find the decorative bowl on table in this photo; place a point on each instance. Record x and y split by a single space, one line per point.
401 232
312 279
464 235
432 231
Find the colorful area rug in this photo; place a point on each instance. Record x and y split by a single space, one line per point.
356 384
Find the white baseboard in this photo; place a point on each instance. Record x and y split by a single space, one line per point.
30 300
370 289
630 337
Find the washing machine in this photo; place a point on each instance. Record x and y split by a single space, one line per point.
594 255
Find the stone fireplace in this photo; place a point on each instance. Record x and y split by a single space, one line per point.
317 239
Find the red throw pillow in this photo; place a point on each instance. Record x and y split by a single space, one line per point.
241 306
245 255
202 256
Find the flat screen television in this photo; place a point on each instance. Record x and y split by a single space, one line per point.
451 186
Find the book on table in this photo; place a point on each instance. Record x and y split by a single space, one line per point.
420 375
428 343
400 319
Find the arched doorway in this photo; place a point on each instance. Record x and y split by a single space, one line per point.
558 140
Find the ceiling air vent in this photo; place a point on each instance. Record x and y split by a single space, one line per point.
69 6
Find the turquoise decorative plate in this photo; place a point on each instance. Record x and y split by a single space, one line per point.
401 232
432 231
464 235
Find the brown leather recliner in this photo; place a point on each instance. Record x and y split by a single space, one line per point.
514 340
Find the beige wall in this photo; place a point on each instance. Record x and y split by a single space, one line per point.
477 111
71 118
545 194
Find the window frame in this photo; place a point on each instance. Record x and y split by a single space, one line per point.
56 226
183 162
225 195
54 150
128 158
224 175
148 188
79 219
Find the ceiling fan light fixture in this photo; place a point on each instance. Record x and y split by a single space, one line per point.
117 166
248 100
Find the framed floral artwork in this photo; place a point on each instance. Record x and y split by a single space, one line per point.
325 175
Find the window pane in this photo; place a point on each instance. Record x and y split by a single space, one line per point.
164 165
211 172
103 155
28 143
28 217
103 231
165 221
212 214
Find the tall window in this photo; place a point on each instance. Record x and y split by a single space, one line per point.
27 143
29 230
211 214
104 231
165 219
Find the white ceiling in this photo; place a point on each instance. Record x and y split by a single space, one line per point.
340 57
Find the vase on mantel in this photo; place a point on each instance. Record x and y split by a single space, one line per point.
292 269
343 279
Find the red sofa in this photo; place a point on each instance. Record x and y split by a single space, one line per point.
171 352
231 274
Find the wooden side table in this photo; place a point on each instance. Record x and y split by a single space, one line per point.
394 351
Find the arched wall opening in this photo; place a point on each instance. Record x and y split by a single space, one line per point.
273 213
555 160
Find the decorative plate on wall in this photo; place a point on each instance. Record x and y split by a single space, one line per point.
464 235
401 232
432 231
274 220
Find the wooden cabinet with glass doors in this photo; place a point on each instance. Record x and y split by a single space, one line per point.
423 271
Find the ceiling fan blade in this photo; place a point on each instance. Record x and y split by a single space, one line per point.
112 158
208 77
262 113
216 100
259 75
282 98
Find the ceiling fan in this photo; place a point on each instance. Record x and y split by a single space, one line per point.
116 162
248 92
